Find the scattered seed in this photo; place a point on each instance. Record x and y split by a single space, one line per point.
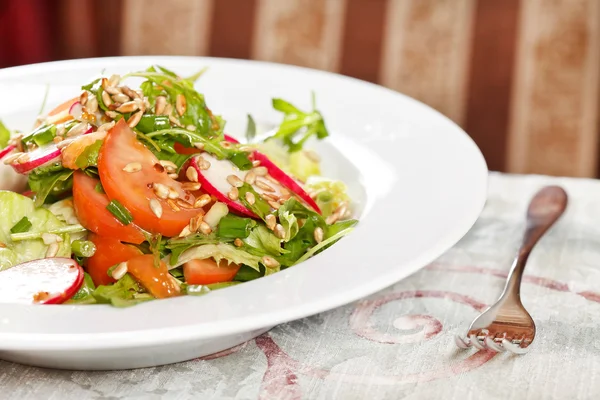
180 104
120 98
250 178
261 171
156 208
279 231
92 105
347 214
23 159
111 114
83 98
269 197
274 204
106 127
199 146
52 250
312 156
173 176
271 221
263 185
57 139
270 262
128 107
191 174
106 98
226 145
133 167
195 223
114 91
175 121
205 228
161 103
191 128
341 209
202 163
135 119
191 186
104 83
173 205
169 165
238 242
173 194
255 163
140 104
161 191
332 219
168 109
50 238
119 271
64 143
318 234
246 148
233 180
114 80
184 204
273 180
202 201
77 129
129 92
233 194
250 198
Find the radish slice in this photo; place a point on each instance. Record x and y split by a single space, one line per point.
281 176
76 110
217 185
41 156
6 150
44 281
285 179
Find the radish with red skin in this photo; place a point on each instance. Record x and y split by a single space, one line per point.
43 281
40 156
280 176
4 152
76 110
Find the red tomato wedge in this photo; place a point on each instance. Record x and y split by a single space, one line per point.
181 149
134 190
157 281
90 208
109 251
206 271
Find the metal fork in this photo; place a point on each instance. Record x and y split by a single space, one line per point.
507 325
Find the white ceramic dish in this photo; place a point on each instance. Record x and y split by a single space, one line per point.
418 180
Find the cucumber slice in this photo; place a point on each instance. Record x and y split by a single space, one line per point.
13 207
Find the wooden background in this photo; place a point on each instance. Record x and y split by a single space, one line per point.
520 76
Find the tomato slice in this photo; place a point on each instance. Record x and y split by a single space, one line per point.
78 146
157 281
109 251
206 271
134 189
90 208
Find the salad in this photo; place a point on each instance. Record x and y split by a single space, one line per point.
137 194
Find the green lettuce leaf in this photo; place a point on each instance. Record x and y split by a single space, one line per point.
219 252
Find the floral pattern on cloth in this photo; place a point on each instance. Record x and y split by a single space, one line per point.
398 343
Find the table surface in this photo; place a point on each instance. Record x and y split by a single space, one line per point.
399 342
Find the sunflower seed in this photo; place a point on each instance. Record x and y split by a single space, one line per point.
270 262
175 121
156 208
52 250
83 98
161 191
195 223
92 105
120 98
275 205
191 128
191 186
250 198
235 181
318 234
170 166
104 83
173 176
23 159
191 174
168 109
199 146
173 205
238 242
263 185
205 228
271 221
111 114
119 271
78 129
226 145
133 167
135 119
180 104
161 103
173 194
185 232
312 156
332 219
250 178
57 139
129 92
261 171
13 157
233 194
279 231
140 104
113 90
106 98
184 204
128 107
269 197
106 127
255 163
202 163
202 201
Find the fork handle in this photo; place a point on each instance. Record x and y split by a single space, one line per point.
544 209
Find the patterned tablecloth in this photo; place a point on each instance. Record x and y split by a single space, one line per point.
398 343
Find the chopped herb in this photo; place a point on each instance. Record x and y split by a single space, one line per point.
4 135
120 212
83 248
22 226
232 227
98 188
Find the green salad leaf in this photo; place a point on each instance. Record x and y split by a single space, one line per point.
219 252
50 183
4 135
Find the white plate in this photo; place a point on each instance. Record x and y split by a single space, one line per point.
418 180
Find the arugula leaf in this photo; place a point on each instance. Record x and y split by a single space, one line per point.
54 183
89 156
260 206
4 135
250 129
298 123
232 227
